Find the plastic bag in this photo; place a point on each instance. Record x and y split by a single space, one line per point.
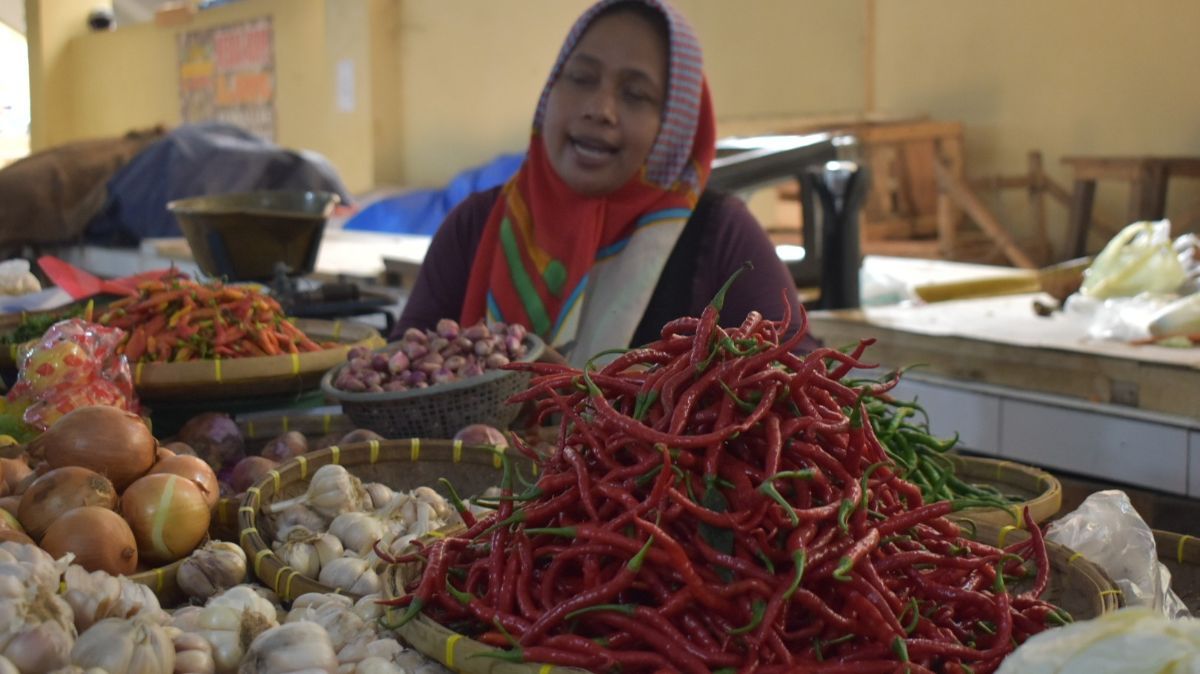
16 279
1107 530
74 364
1129 640
1139 259
1117 318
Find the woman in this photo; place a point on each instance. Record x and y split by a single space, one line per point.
606 233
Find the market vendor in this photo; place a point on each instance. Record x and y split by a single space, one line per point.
606 232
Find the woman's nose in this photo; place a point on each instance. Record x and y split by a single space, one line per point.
601 106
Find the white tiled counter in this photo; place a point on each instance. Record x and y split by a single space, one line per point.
1111 442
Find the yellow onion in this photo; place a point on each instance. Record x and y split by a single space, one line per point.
14 471
195 469
10 504
108 440
59 491
168 515
99 538
15 536
10 521
161 453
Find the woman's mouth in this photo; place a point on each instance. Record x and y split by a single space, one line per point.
592 149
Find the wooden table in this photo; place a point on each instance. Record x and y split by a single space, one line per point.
1147 176
1038 390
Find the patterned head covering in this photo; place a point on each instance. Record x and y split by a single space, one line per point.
542 239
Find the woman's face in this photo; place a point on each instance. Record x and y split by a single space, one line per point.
605 108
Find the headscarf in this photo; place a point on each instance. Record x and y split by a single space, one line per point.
547 254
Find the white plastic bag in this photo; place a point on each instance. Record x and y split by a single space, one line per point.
1139 259
1132 640
1118 318
1108 531
16 279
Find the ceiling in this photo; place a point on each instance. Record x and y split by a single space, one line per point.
12 12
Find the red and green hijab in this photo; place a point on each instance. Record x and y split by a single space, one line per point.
578 270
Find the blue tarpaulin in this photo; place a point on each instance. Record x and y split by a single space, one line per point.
197 160
422 211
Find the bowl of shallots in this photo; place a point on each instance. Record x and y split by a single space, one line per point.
430 383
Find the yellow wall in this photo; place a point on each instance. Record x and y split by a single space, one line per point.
129 78
441 85
52 26
1064 77
471 71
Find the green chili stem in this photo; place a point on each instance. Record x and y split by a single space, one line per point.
757 610
769 489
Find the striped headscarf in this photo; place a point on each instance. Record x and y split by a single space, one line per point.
542 239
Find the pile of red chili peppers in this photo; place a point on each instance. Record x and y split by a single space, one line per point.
717 504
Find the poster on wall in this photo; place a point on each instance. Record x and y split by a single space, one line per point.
227 74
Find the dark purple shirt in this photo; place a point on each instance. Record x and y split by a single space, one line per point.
729 236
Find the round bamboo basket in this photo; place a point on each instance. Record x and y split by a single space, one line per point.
242 378
1039 492
1077 585
1181 555
162 580
399 464
265 426
163 583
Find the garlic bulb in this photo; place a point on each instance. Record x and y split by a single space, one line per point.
442 508
32 564
246 598
228 623
369 609
298 515
76 669
97 595
368 646
307 552
350 574
375 665
37 629
133 646
357 531
7 667
380 494
212 569
334 613
193 654
294 647
331 492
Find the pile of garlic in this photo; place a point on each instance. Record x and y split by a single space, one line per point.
99 624
329 532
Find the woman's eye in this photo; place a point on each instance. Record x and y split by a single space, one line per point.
579 77
638 95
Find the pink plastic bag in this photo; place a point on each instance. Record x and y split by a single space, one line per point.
75 364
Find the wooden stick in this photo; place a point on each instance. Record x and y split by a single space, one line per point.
1037 203
966 198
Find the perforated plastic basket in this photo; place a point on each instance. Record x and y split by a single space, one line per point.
440 410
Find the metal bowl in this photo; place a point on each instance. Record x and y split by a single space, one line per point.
242 236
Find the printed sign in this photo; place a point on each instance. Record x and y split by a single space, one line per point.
227 74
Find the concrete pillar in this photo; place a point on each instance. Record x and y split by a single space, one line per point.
50 27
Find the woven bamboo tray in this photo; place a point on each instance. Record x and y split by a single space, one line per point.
163 583
399 464
1076 584
263 426
162 579
1041 492
1181 554
242 378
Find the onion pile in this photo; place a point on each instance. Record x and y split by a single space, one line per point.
106 492
110 441
423 358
